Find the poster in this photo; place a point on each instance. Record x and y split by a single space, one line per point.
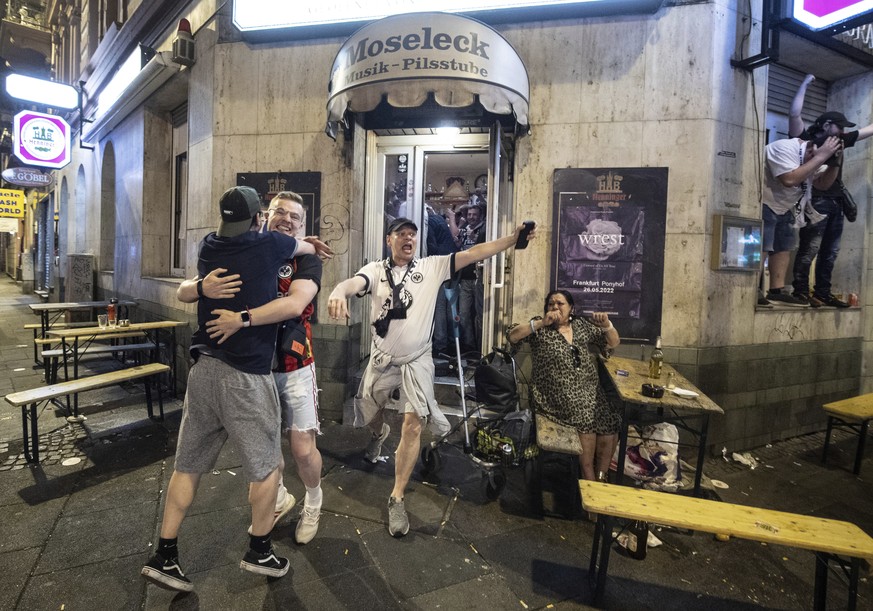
610 225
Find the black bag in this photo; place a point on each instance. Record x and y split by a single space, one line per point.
495 381
850 208
294 339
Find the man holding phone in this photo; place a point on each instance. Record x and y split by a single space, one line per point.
403 291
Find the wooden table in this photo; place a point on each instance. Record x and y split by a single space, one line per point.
50 312
682 410
86 335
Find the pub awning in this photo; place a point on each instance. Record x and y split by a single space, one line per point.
406 58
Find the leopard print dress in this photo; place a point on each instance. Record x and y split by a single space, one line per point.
566 386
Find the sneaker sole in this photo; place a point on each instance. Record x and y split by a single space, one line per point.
398 534
263 570
165 581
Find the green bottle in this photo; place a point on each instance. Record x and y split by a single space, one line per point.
656 361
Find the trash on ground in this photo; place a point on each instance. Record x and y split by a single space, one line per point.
69 462
652 457
717 483
745 458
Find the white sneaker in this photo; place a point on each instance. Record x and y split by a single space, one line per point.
307 525
285 502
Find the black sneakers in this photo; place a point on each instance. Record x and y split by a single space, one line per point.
785 299
166 574
832 302
268 564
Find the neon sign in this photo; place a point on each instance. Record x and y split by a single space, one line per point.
823 14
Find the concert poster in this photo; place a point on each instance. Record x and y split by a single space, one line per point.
610 225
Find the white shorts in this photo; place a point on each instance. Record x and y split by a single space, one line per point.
298 397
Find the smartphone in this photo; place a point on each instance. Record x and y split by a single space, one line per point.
521 242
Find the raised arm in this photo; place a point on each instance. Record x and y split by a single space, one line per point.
337 302
795 121
480 252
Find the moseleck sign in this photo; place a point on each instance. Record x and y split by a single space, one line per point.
41 139
12 203
442 46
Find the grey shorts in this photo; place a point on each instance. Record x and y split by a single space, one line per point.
298 396
221 403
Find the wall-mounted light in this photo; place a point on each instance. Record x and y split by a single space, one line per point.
128 71
129 92
41 91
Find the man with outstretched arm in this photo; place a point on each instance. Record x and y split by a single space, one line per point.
403 292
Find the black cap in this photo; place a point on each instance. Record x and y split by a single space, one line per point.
837 118
238 205
398 224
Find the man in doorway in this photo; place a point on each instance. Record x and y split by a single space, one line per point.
293 372
471 288
216 408
403 291
441 241
822 239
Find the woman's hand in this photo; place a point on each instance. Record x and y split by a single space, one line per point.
601 319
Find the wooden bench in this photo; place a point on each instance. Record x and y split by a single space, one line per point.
551 437
831 540
51 357
29 400
854 414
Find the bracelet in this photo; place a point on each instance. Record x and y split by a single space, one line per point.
200 288
532 328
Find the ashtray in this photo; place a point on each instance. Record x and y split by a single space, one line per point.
652 390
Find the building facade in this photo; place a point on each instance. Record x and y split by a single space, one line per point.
648 90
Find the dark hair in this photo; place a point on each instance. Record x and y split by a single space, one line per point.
566 295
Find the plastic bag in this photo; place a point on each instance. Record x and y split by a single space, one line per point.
652 457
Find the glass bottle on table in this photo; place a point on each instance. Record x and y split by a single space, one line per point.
112 312
656 361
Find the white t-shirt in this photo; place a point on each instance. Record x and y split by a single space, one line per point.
419 293
782 157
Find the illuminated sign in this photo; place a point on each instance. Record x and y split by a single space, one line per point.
823 14
27 177
308 18
41 140
12 203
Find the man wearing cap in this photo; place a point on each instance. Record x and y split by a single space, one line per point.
294 370
403 292
230 392
471 290
822 239
790 168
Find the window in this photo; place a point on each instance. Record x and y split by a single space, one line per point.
179 212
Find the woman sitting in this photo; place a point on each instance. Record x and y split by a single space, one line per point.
566 386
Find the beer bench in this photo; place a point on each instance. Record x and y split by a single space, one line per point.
551 437
832 540
38 340
29 400
854 414
52 357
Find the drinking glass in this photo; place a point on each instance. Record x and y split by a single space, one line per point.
112 323
102 319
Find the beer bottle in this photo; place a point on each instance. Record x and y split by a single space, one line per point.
656 360
637 540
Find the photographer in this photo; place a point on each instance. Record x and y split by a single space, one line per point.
822 239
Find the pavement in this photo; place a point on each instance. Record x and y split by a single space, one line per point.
78 527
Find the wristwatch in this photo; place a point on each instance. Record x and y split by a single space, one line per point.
246 318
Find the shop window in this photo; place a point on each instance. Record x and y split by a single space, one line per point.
179 216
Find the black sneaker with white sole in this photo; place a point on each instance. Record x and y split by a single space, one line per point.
268 564
166 574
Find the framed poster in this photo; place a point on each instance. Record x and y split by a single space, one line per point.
610 225
736 243
306 184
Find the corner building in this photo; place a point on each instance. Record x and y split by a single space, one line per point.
652 86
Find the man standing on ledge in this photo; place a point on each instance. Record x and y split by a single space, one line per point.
403 293
230 390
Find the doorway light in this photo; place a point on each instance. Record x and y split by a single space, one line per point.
447 131
41 91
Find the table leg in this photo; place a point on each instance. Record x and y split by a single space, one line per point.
854 571
862 439
827 441
622 443
820 593
701 451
